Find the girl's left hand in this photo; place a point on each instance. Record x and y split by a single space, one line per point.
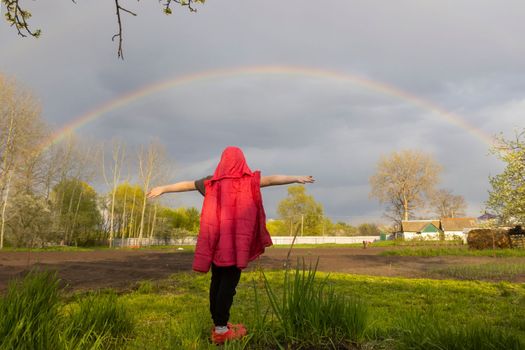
305 179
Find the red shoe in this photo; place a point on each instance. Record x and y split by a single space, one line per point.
234 332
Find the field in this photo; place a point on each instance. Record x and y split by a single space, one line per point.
411 299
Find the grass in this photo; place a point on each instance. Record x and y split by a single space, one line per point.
33 317
175 314
431 332
505 271
29 313
301 309
454 251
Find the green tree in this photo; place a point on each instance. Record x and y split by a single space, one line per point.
343 229
300 212
187 219
76 210
368 229
507 197
277 228
128 204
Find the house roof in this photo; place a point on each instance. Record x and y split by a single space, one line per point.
457 224
487 216
417 225
430 228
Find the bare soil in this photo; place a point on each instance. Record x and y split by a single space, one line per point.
122 269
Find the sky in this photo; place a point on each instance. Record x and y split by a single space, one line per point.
461 58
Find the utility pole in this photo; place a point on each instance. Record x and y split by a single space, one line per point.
302 224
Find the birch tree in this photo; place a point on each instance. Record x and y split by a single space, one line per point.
152 163
118 155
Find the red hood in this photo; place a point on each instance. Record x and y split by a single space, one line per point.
232 165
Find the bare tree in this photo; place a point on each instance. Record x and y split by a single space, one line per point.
402 180
152 163
118 155
448 205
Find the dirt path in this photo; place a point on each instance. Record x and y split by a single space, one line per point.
121 269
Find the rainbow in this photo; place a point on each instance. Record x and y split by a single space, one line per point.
373 85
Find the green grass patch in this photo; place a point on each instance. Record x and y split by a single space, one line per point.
175 314
454 251
503 271
301 309
33 316
29 313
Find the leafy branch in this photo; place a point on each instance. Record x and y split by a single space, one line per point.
18 17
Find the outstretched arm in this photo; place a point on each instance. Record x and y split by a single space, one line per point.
182 186
274 180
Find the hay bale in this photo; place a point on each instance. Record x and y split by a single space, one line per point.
488 238
517 237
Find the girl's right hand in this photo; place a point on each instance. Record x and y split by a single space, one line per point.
154 192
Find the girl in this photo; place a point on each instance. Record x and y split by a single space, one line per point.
232 230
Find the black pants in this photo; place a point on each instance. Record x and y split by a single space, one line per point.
224 280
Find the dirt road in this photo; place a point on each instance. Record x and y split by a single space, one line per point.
121 269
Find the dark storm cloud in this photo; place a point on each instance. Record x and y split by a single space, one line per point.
466 57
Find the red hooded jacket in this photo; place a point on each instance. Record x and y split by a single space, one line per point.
233 223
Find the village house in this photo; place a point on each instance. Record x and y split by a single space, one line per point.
455 228
420 229
445 228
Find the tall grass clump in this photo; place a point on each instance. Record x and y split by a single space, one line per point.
100 318
29 313
423 332
311 314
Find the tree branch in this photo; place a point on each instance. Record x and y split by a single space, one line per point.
119 8
16 16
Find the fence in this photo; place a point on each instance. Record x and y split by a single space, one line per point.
277 240
146 242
